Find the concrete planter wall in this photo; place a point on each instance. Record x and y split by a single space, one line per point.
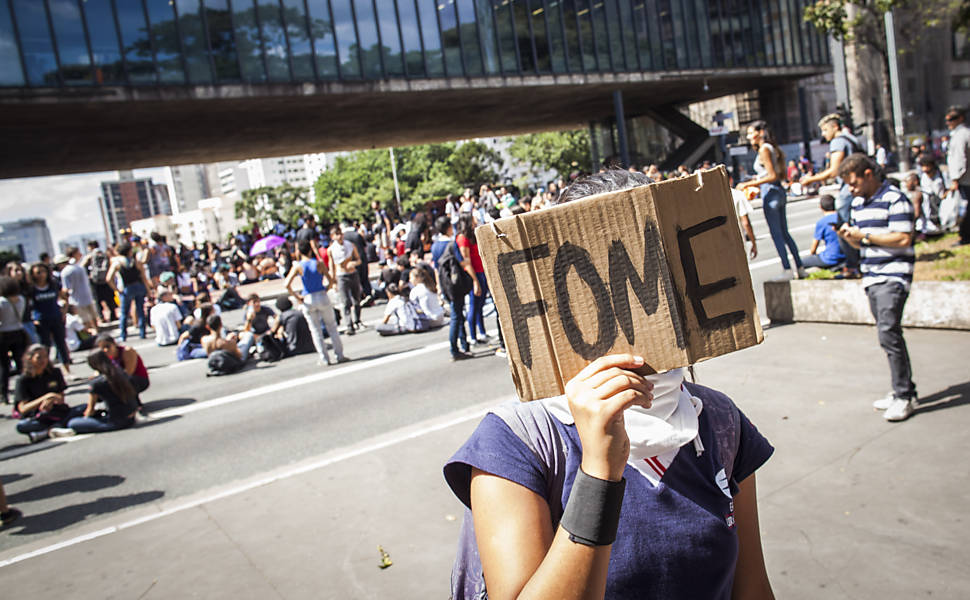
936 304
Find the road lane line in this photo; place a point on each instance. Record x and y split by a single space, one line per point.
772 261
403 435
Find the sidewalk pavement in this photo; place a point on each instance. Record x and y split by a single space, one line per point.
851 506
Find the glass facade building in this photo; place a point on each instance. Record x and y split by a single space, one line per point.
61 43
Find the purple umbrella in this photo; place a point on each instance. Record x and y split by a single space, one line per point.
266 244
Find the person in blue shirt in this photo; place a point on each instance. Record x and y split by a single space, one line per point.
46 313
825 233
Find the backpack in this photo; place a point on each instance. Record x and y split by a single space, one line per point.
222 362
454 281
270 349
98 268
532 423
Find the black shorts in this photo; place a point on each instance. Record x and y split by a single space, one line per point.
103 293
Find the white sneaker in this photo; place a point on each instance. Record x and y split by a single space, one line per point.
884 402
900 409
786 275
61 432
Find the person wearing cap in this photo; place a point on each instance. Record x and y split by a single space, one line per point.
166 317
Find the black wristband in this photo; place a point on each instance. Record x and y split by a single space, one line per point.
592 512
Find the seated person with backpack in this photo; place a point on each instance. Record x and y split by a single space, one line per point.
292 330
237 345
825 232
401 315
424 295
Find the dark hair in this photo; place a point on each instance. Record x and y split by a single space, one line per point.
423 276
466 227
252 297
31 350
336 229
123 248
116 378
205 309
392 289
214 323
612 180
402 261
857 164
9 287
958 111
283 304
442 224
104 338
93 244
769 138
304 247
37 265
70 250
925 160
826 203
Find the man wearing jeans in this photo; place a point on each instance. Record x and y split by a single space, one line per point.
957 156
882 229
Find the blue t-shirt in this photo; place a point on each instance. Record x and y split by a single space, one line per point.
311 276
676 540
45 307
438 248
824 232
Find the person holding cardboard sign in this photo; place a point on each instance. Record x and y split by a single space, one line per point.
627 486
769 168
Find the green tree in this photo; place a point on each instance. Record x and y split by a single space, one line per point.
473 163
269 205
560 151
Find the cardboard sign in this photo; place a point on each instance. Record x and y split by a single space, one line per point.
659 270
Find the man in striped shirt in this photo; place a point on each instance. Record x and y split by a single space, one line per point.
882 229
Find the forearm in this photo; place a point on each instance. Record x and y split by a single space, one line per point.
893 239
569 571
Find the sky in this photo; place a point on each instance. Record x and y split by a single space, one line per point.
69 203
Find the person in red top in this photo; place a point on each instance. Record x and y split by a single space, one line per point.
468 246
128 360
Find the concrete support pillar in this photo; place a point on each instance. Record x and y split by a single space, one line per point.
621 129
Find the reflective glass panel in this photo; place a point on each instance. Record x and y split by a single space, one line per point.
449 36
655 29
641 35
274 40
105 48
540 37
617 35
468 34
248 46
164 35
11 73
301 52
523 36
195 47
411 32
369 42
571 25
703 31
487 34
35 42
343 23
587 37
557 51
505 31
72 48
627 27
324 45
601 36
221 42
390 38
428 12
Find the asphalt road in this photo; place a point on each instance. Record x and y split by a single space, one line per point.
206 432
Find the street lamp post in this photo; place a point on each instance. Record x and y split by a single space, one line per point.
397 191
894 90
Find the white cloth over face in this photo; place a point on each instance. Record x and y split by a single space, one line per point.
656 433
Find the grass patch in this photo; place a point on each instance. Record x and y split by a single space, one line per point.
941 259
822 274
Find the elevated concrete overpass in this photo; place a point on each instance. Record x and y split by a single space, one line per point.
92 85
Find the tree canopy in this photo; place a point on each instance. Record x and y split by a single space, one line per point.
559 151
269 205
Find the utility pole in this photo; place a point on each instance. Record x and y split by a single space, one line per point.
894 91
397 191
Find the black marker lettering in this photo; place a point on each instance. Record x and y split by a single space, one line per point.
520 312
622 270
570 256
697 292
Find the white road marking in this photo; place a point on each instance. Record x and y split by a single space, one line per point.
772 261
403 435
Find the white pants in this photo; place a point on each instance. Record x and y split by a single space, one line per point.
316 307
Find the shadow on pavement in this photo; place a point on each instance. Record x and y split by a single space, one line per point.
67 486
12 477
69 515
164 403
951 397
14 450
143 423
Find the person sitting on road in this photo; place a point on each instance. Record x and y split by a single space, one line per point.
237 345
78 336
203 299
426 298
190 341
292 330
166 318
400 314
825 232
128 360
39 395
257 316
114 389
